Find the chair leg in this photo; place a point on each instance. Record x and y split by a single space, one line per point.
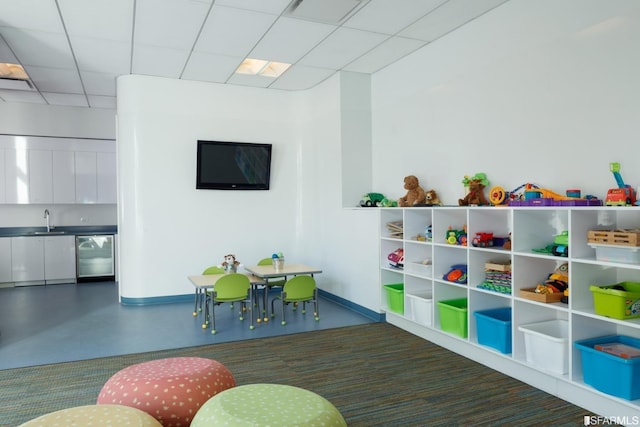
195 302
213 315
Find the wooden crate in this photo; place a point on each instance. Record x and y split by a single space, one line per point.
496 266
546 298
614 237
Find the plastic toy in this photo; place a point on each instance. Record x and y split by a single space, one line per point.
476 185
560 245
537 196
498 196
388 203
557 282
415 194
396 258
482 240
457 274
457 237
624 195
371 200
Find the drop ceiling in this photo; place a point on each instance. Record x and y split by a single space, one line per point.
73 50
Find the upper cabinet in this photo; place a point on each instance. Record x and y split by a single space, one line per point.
40 170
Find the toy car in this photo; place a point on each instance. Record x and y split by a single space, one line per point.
371 199
396 258
560 245
482 240
457 274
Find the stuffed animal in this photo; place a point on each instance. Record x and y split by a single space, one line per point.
432 198
415 194
475 196
230 263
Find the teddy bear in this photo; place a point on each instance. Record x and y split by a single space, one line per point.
432 198
475 197
415 194
230 263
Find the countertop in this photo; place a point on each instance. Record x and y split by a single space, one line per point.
62 230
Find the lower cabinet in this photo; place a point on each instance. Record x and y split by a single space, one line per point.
5 259
464 278
41 260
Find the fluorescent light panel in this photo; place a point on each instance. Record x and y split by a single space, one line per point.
260 67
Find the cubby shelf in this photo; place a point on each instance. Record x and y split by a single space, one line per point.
530 230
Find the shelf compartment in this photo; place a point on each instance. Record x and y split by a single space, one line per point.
494 328
454 316
546 345
420 307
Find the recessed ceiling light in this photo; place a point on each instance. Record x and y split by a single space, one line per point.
12 71
261 67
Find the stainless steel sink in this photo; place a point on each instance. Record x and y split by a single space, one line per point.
48 233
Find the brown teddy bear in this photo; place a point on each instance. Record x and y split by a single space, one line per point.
475 197
415 194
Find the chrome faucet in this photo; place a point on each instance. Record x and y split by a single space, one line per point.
46 215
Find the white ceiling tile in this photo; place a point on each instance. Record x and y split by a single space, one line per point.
103 56
39 48
169 23
70 100
99 83
275 7
300 77
389 51
448 17
390 16
22 96
342 47
210 68
31 14
250 80
290 39
60 80
103 19
329 11
158 61
96 101
233 32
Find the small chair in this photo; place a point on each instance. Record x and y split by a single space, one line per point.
200 293
232 287
272 282
299 289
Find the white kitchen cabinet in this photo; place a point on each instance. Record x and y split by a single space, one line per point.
86 177
59 259
40 176
64 177
16 164
106 177
5 260
27 260
531 229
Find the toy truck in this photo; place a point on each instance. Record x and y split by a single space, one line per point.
624 195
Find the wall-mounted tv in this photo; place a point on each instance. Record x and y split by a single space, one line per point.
224 165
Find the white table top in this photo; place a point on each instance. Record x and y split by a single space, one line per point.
268 271
209 280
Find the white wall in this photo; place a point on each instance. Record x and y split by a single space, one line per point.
57 121
535 91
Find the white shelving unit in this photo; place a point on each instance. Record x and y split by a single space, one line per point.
530 228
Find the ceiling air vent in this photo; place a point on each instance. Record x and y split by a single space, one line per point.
326 11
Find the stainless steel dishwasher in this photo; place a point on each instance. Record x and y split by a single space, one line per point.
95 257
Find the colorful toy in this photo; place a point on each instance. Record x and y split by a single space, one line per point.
536 196
396 258
230 264
498 196
388 203
457 237
624 195
560 245
432 198
557 282
371 200
482 240
457 274
415 194
475 195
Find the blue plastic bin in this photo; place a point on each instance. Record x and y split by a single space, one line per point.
609 373
494 328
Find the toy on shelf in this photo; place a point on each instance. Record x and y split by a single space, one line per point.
415 194
388 203
475 195
537 196
482 240
371 200
457 274
457 237
230 264
499 197
556 283
396 258
432 198
624 195
559 247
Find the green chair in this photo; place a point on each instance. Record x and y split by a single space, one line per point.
299 289
200 293
232 287
272 282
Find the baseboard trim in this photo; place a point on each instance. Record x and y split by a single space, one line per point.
370 314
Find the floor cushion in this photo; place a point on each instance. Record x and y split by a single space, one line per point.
95 415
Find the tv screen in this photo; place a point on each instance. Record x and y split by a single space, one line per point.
226 165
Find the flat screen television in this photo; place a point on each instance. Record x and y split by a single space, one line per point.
224 165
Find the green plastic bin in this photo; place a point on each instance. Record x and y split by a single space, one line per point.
620 301
453 316
395 297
